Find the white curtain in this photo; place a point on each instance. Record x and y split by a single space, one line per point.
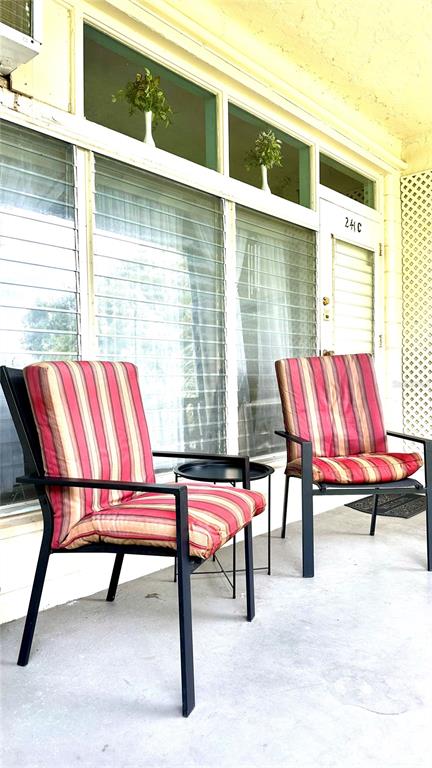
159 299
276 317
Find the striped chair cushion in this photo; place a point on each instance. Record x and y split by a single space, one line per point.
333 401
363 468
215 515
91 423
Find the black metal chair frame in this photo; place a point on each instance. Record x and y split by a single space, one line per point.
308 491
12 381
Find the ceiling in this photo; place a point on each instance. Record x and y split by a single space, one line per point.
374 55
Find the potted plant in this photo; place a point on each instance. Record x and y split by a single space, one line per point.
265 153
144 94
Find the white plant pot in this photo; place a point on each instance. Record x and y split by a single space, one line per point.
148 138
264 182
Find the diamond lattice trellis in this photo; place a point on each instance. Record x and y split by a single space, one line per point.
416 200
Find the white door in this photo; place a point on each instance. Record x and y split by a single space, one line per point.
350 281
353 298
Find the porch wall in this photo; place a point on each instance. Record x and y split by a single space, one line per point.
52 96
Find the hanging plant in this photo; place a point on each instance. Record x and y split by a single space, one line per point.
266 151
144 94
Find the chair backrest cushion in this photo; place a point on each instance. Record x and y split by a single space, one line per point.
91 424
334 402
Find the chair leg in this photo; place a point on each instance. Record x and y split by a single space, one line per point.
186 644
250 592
234 564
285 507
374 516
33 608
269 526
429 527
428 499
112 589
307 531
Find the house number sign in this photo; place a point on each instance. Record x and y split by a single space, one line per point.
353 224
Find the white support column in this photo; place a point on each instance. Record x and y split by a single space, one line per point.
85 212
231 329
392 393
77 62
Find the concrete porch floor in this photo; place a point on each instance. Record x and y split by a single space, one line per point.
334 671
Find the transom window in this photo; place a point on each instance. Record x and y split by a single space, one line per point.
350 183
291 180
109 65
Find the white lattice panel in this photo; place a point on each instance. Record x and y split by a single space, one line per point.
416 199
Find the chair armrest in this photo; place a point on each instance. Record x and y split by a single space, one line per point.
178 491
413 438
241 461
294 438
113 485
306 455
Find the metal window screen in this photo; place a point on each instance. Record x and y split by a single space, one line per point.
17 14
416 197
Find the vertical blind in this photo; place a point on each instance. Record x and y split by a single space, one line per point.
159 293
353 296
276 318
38 267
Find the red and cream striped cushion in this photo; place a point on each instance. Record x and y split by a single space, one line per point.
334 402
363 468
91 423
215 514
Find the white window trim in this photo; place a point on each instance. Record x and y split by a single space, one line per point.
87 135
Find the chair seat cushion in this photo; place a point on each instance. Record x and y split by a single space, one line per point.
216 514
362 468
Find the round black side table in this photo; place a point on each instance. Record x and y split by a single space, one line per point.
222 471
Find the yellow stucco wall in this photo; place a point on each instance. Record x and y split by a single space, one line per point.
48 76
417 153
210 51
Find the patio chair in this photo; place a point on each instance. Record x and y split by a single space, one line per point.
336 441
87 452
